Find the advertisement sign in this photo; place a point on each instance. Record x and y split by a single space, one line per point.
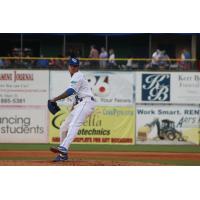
23 124
109 88
166 87
107 125
24 87
23 106
167 124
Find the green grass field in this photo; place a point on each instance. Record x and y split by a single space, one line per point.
105 148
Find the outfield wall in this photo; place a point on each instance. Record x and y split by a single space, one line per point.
128 105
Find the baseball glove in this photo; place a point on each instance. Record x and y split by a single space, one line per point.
53 107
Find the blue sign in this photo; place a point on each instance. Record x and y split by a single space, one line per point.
156 87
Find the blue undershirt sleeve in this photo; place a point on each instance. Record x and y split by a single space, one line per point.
70 91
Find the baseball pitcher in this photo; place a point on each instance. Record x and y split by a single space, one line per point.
83 108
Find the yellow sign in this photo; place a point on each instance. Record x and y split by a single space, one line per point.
107 125
192 135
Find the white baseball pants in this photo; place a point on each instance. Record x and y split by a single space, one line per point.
71 125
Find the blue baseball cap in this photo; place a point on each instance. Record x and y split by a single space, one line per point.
74 61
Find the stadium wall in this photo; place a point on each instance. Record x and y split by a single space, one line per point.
132 107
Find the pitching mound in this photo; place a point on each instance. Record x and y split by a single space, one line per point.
76 158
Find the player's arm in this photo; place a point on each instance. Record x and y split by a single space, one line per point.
74 86
67 93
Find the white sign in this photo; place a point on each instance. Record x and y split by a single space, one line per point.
23 124
109 88
167 124
168 87
186 87
24 87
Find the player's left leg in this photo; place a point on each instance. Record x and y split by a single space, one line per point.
84 110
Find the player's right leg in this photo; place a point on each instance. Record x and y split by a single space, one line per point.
62 152
64 127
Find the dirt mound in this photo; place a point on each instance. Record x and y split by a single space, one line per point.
76 158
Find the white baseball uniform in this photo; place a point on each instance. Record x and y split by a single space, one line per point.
85 107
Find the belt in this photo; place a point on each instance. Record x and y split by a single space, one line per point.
78 100
89 98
